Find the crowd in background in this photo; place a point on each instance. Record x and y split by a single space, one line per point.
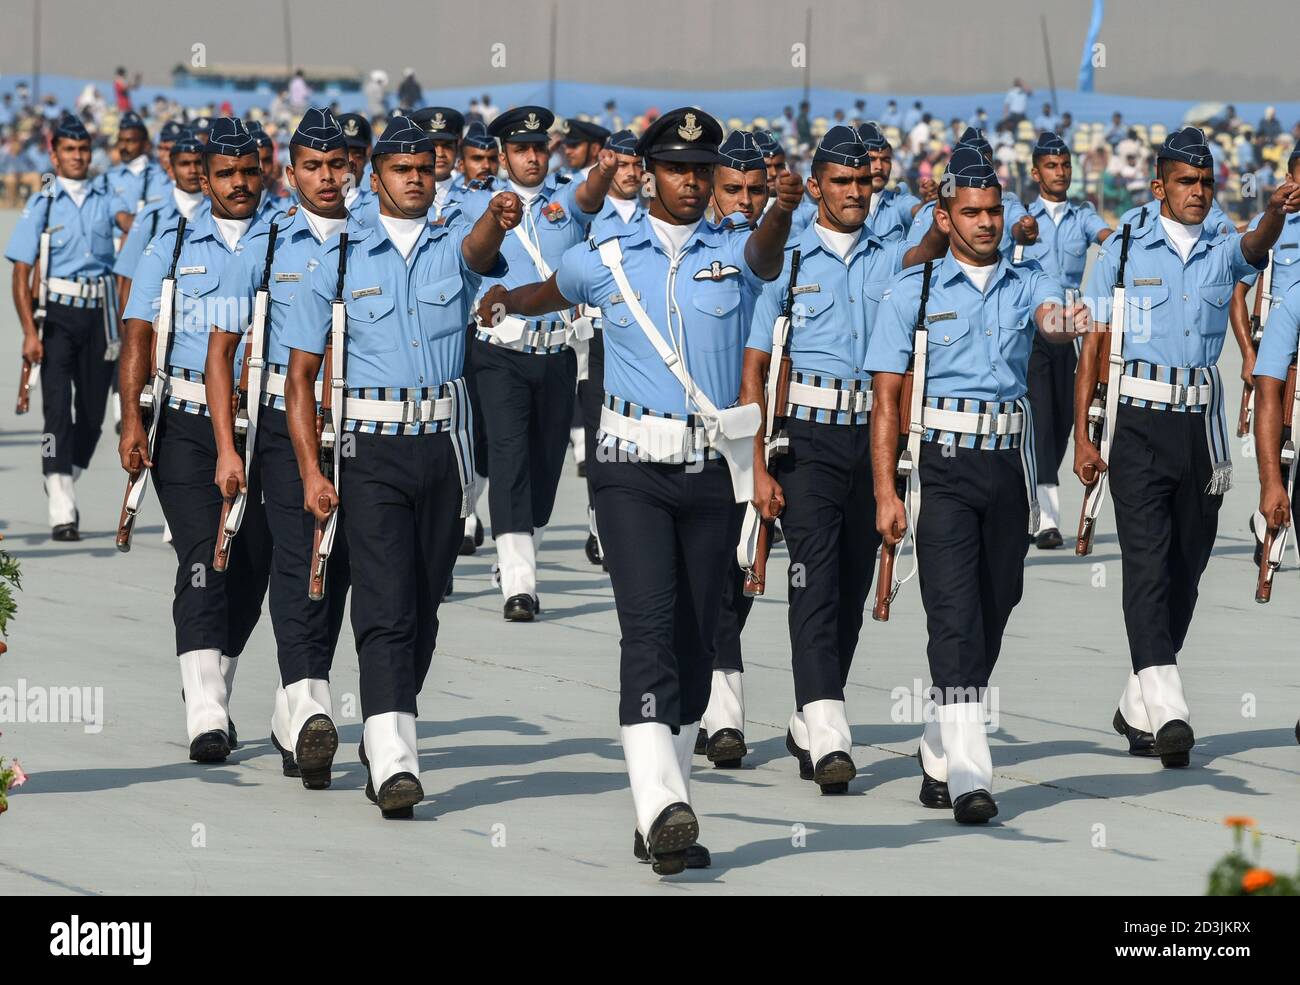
1113 159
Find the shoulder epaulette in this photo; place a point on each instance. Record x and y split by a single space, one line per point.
480 184
562 179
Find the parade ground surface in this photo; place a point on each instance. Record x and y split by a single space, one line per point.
518 734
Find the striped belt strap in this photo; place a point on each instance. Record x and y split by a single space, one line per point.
829 398
183 389
399 411
1173 394
90 290
538 334
970 423
273 384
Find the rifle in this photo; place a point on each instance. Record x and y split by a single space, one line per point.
755 540
328 439
31 372
1105 404
152 398
911 397
1258 317
1275 536
245 401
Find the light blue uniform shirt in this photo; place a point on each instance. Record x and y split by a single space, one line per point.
406 321
835 305
296 251
1062 247
150 221
979 344
706 286
892 219
1286 256
1277 349
81 239
1013 210
1177 313
199 302
126 189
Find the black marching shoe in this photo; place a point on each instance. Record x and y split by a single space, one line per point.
521 608
834 771
702 742
1049 539
232 733
674 831
726 748
65 533
801 754
976 807
1174 744
397 795
287 763
314 751
210 747
1139 743
472 542
593 550
934 793
697 856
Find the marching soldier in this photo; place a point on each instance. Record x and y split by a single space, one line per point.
136 181
526 371
65 295
171 132
1065 231
774 161
581 147
480 156
272 204
214 611
1285 272
739 199
407 286
976 465
821 486
623 205
306 631
675 453
1169 462
1018 226
892 210
183 196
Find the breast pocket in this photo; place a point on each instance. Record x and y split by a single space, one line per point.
440 307
1074 257
1146 310
199 302
947 333
719 328
370 329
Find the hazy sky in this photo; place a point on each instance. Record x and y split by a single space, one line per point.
1186 49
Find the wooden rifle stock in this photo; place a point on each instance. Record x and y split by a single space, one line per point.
1264 584
25 388
1096 421
321 548
221 555
316 585
126 522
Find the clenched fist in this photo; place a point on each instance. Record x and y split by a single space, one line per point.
789 191
506 209
1025 231
607 162
492 306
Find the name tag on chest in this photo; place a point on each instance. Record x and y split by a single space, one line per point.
287 278
807 289
941 316
617 298
367 292
200 269
1148 281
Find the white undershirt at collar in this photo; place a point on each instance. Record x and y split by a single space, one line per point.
231 229
875 204
322 227
841 244
137 165
404 232
979 276
76 189
527 194
672 237
1054 210
186 202
351 197
625 207
1182 237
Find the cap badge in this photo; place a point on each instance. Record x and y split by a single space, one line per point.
439 122
688 130
532 123
351 128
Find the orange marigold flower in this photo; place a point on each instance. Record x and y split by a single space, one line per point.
1239 821
1256 879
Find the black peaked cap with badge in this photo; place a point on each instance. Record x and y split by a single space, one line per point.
687 135
439 122
356 130
523 125
585 132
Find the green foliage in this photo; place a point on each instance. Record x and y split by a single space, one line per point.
10 582
1236 875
